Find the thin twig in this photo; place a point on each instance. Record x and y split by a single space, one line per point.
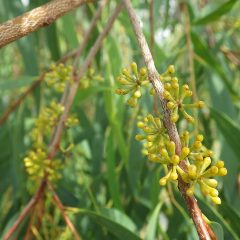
31 204
89 33
194 210
59 204
74 87
36 18
53 147
75 53
15 104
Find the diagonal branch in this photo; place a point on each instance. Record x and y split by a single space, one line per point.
204 231
36 18
54 146
75 53
31 204
59 204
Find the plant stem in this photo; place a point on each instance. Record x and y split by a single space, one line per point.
36 18
74 87
59 204
31 204
195 212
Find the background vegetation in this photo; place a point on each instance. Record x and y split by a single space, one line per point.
112 191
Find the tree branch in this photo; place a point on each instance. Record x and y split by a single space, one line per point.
31 204
59 204
52 150
75 53
33 20
73 89
194 210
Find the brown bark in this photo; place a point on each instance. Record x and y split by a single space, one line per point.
36 18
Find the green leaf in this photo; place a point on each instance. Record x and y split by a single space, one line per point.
116 222
69 30
52 41
113 181
212 213
83 94
217 228
153 222
231 215
209 59
216 14
13 84
229 129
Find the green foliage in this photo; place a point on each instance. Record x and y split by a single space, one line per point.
109 188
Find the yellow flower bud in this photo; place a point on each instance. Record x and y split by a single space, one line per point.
167 95
213 192
222 172
190 191
216 200
184 153
199 157
170 105
164 152
199 137
137 94
140 124
143 71
200 104
192 171
174 176
214 170
174 118
163 181
171 69
185 87
219 164
175 159
167 86
197 145
152 91
139 137
210 182
134 68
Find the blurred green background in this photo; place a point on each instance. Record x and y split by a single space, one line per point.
112 189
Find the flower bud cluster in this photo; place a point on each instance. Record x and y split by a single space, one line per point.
176 98
87 80
48 118
201 171
132 81
154 134
37 165
58 76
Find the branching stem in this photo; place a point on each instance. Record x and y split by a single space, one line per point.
204 231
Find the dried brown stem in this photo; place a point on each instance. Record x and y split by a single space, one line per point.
36 18
194 210
74 87
59 204
31 204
